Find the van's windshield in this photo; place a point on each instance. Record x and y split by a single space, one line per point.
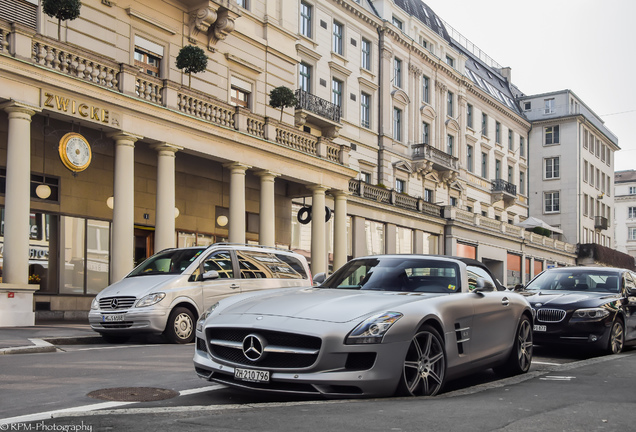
173 261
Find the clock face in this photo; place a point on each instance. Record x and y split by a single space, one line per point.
75 152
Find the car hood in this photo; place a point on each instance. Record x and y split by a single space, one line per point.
321 304
564 298
138 286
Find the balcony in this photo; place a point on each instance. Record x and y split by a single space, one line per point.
503 190
600 223
317 111
391 197
437 159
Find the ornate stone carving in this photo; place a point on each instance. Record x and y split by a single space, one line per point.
215 20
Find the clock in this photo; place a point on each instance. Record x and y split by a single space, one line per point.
75 152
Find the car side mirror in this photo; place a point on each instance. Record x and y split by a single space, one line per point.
210 275
483 285
518 287
319 278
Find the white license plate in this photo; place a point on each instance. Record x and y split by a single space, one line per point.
251 375
540 328
113 318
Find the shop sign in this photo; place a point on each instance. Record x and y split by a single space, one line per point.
77 108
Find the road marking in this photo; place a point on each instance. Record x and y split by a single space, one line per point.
115 347
557 378
546 363
201 390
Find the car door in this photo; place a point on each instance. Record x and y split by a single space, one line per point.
226 284
630 306
265 269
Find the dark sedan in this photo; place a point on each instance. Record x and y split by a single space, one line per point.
589 306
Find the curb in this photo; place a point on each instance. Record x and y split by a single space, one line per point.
49 344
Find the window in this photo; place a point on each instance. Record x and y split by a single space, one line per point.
585 170
453 201
586 206
366 54
400 186
397 72
484 124
585 138
484 165
552 135
551 202
552 168
304 77
337 38
450 61
305 19
522 183
425 89
549 106
365 177
527 106
397 124
148 62
522 146
469 158
510 140
632 190
398 23
497 169
498 132
632 234
449 105
631 212
243 3
336 92
239 97
510 174
365 110
449 144
428 195
425 133
469 115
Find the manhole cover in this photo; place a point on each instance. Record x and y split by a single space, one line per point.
133 394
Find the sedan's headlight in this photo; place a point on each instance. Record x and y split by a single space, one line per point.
95 304
205 315
591 314
373 329
150 299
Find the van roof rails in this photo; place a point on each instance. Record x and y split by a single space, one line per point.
251 245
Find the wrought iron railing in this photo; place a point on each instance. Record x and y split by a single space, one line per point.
600 222
316 105
500 185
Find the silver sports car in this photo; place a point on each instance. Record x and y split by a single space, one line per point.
378 326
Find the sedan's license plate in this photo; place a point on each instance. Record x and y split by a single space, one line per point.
113 318
251 375
540 328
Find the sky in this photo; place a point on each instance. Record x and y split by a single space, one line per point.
582 45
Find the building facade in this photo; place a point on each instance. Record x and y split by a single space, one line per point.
625 211
402 140
572 157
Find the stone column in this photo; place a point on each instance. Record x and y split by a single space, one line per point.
318 230
123 206
267 227
340 230
165 213
236 231
17 194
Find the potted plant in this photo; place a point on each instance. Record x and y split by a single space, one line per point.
282 97
192 59
62 10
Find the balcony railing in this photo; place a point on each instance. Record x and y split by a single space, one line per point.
316 105
443 160
391 197
600 223
500 185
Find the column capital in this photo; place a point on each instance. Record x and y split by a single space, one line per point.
165 147
318 188
340 194
266 174
14 106
236 166
125 136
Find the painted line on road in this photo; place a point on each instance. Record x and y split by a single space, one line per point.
201 390
546 363
115 347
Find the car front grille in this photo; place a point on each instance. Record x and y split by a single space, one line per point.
550 315
117 324
116 303
299 351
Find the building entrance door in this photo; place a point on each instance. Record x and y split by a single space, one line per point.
144 243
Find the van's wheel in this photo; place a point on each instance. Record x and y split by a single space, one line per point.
521 355
617 338
180 326
424 368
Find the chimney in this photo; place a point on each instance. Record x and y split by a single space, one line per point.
507 73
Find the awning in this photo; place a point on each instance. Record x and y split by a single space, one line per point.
533 222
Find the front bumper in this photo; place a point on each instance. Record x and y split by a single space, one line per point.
135 320
591 334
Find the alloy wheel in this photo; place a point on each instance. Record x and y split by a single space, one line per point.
424 365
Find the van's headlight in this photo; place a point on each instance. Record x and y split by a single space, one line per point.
205 316
150 299
95 304
373 329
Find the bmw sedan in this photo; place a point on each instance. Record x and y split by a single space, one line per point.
380 325
588 306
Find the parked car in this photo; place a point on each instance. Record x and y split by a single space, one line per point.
379 325
168 292
589 306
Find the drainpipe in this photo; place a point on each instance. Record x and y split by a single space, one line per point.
380 119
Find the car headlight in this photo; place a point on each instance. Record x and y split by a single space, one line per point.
591 314
373 329
95 304
205 316
150 299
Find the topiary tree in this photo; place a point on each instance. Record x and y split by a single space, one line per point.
62 10
282 97
192 59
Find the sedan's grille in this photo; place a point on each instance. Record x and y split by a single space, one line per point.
299 351
115 303
550 315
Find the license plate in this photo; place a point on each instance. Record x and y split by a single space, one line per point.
540 328
113 318
251 375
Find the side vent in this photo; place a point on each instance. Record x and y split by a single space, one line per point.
462 334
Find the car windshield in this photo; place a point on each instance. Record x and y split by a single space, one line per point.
173 261
576 280
397 274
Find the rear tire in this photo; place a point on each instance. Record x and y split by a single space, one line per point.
180 326
424 368
521 355
617 338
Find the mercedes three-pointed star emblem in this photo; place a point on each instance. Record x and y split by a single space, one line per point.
253 347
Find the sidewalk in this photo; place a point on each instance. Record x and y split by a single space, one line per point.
43 337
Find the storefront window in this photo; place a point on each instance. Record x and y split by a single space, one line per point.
375 237
97 255
466 251
73 231
514 270
430 244
403 240
528 270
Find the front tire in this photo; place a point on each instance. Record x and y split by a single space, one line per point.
521 355
424 368
617 338
180 326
